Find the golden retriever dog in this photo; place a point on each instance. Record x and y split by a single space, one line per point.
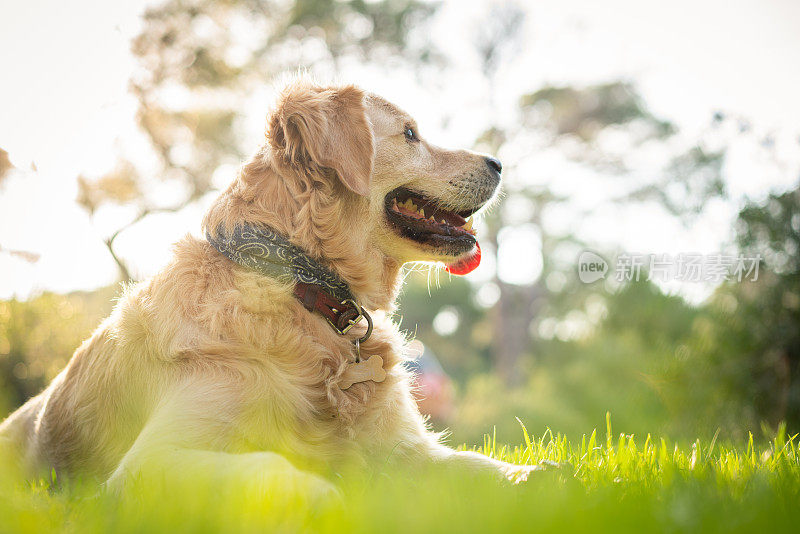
213 365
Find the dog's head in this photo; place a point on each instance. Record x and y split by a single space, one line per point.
414 199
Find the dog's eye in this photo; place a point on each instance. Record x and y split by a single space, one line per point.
410 134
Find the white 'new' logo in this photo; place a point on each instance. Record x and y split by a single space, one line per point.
591 267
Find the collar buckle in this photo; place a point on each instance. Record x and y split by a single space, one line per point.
350 306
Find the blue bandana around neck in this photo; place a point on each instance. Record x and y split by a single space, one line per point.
264 250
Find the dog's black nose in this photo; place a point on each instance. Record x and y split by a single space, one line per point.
495 165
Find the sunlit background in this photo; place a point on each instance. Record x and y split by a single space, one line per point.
623 126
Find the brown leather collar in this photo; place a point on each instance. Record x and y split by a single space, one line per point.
341 315
263 249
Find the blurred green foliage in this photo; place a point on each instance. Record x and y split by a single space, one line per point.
38 336
585 112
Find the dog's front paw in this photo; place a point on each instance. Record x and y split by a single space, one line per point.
519 473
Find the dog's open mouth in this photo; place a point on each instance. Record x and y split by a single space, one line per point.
424 221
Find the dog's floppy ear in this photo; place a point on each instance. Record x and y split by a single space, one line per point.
318 127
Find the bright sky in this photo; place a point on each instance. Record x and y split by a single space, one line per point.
67 110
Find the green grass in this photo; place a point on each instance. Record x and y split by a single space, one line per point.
606 482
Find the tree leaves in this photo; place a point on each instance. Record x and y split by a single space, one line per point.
584 112
5 165
119 186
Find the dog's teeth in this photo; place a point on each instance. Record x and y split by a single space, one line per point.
394 204
468 225
444 222
431 219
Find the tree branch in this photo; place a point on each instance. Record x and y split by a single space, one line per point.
109 241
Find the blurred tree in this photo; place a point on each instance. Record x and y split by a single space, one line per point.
605 126
585 112
497 40
463 351
609 131
602 127
770 309
577 121
620 365
745 347
201 61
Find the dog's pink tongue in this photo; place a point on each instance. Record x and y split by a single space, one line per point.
466 265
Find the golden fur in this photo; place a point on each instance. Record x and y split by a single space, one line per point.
211 365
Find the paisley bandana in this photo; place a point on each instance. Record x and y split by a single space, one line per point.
264 250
